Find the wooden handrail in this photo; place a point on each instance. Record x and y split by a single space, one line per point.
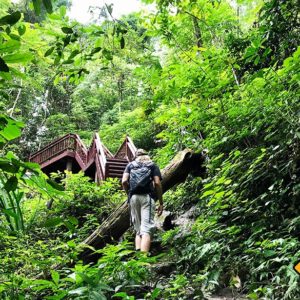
91 152
73 146
131 147
56 141
128 147
101 154
81 150
107 151
60 145
68 142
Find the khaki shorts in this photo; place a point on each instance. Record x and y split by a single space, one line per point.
142 209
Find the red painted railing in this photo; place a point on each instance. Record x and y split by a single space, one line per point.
127 150
106 163
70 142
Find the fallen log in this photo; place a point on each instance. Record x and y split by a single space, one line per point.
184 163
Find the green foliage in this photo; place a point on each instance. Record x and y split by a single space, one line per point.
83 206
135 124
248 211
16 176
198 74
183 196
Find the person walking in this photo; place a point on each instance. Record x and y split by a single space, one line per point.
142 182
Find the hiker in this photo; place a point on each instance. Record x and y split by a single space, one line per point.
142 182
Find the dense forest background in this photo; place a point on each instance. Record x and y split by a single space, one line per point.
218 77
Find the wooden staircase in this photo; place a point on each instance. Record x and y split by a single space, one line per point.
116 167
69 153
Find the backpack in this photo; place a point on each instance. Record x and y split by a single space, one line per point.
140 180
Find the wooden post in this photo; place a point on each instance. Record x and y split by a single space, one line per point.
69 165
96 176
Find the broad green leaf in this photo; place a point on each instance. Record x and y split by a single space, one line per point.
121 294
73 54
11 19
10 132
14 37
67 30
73 220
53 222
49 51
10 155
18 58
10 213
62 11
67 40
155 293
208 193
97 296
69 225
107 54
95 50
7 166
55 185
55 276
11 184
9 46
31 165
22 29
68 62
79 291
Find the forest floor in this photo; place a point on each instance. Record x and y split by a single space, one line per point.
226 294
185 220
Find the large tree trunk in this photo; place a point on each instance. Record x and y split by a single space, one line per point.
117 223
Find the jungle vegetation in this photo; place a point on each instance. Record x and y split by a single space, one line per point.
218 77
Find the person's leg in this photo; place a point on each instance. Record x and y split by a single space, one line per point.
135 209
145 242
138 241
147 222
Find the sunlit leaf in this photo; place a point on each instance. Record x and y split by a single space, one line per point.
9 46
18 58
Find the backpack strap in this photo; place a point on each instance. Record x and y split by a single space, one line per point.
135 164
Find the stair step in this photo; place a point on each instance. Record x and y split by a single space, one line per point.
116 166
118 160
117 163
115 171
121 168
115 175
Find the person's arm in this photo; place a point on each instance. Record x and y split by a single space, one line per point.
125 183
158 190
